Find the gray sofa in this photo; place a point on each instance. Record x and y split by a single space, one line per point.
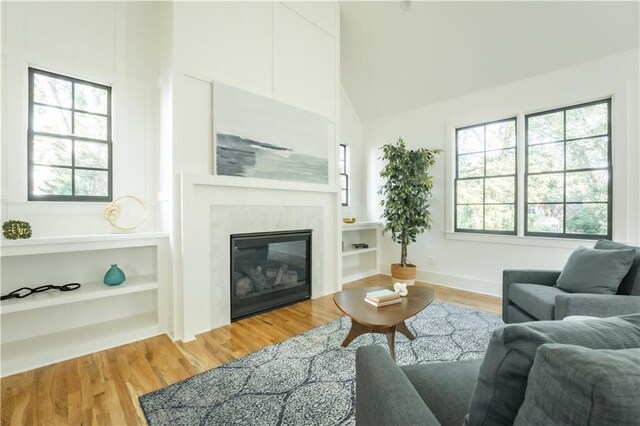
530 295
543 372
427 394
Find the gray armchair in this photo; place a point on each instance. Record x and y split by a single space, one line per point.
531 295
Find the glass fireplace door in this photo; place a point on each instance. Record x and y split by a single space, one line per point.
269 270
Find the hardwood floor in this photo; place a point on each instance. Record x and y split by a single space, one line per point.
103 388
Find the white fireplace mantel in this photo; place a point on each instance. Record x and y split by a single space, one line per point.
212 208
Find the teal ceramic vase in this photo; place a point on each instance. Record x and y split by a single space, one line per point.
114 276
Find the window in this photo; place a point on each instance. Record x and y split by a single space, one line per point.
344 177
568 172
69 139
485 180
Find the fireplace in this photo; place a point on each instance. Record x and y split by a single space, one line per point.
268 270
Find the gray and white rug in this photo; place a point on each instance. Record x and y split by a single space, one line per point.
310 379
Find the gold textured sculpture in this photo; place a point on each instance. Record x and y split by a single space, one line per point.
15 229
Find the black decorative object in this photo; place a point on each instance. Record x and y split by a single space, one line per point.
27 291
360 246
14 229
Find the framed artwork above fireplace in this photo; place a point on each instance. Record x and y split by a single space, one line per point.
259 137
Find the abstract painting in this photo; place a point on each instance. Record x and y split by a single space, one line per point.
258 137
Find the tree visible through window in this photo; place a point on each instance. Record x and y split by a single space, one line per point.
69 139
485 183
568 171
344 177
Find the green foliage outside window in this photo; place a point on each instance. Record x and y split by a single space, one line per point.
69 138
567 174
486 177
568 171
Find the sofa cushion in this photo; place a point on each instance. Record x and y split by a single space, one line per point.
631 282
536 300
595 271
502 379
515 314
604 387
445 387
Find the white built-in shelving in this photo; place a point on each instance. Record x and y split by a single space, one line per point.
358 252
88 291
360 263
53 326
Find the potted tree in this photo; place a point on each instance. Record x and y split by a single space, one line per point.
405 200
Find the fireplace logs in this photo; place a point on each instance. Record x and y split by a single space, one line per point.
260 279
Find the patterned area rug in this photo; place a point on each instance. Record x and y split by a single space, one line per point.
310 378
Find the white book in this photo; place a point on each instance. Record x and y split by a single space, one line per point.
382 295
380 304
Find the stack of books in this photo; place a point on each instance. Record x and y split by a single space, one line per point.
384 297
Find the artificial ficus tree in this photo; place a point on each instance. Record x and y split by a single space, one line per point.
406 192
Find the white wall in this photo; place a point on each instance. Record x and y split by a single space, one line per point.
285 51
113 43
476 262
351 135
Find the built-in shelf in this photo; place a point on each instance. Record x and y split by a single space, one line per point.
360 263
53 326
46 245
360 225
88 291
358 251
34 352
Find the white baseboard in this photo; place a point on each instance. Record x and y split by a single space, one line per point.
475 285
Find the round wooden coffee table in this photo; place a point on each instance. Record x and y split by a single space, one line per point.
366 318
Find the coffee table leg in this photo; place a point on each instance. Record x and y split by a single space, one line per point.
391 340
402 328
356 330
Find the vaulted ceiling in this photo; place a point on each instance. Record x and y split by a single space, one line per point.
393 60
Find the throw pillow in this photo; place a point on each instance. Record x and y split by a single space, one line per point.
595 271
572 385
502 379
631 282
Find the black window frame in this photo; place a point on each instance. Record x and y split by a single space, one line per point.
484 177
31 134
342 166
609 168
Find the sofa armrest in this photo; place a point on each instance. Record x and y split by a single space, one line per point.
530 276
595 305
384 395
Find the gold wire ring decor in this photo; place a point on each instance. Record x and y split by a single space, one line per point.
113 211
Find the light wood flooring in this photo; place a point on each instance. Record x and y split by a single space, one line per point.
103 388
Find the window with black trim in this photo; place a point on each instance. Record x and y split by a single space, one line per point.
69 139
486 178
344 177
568 182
